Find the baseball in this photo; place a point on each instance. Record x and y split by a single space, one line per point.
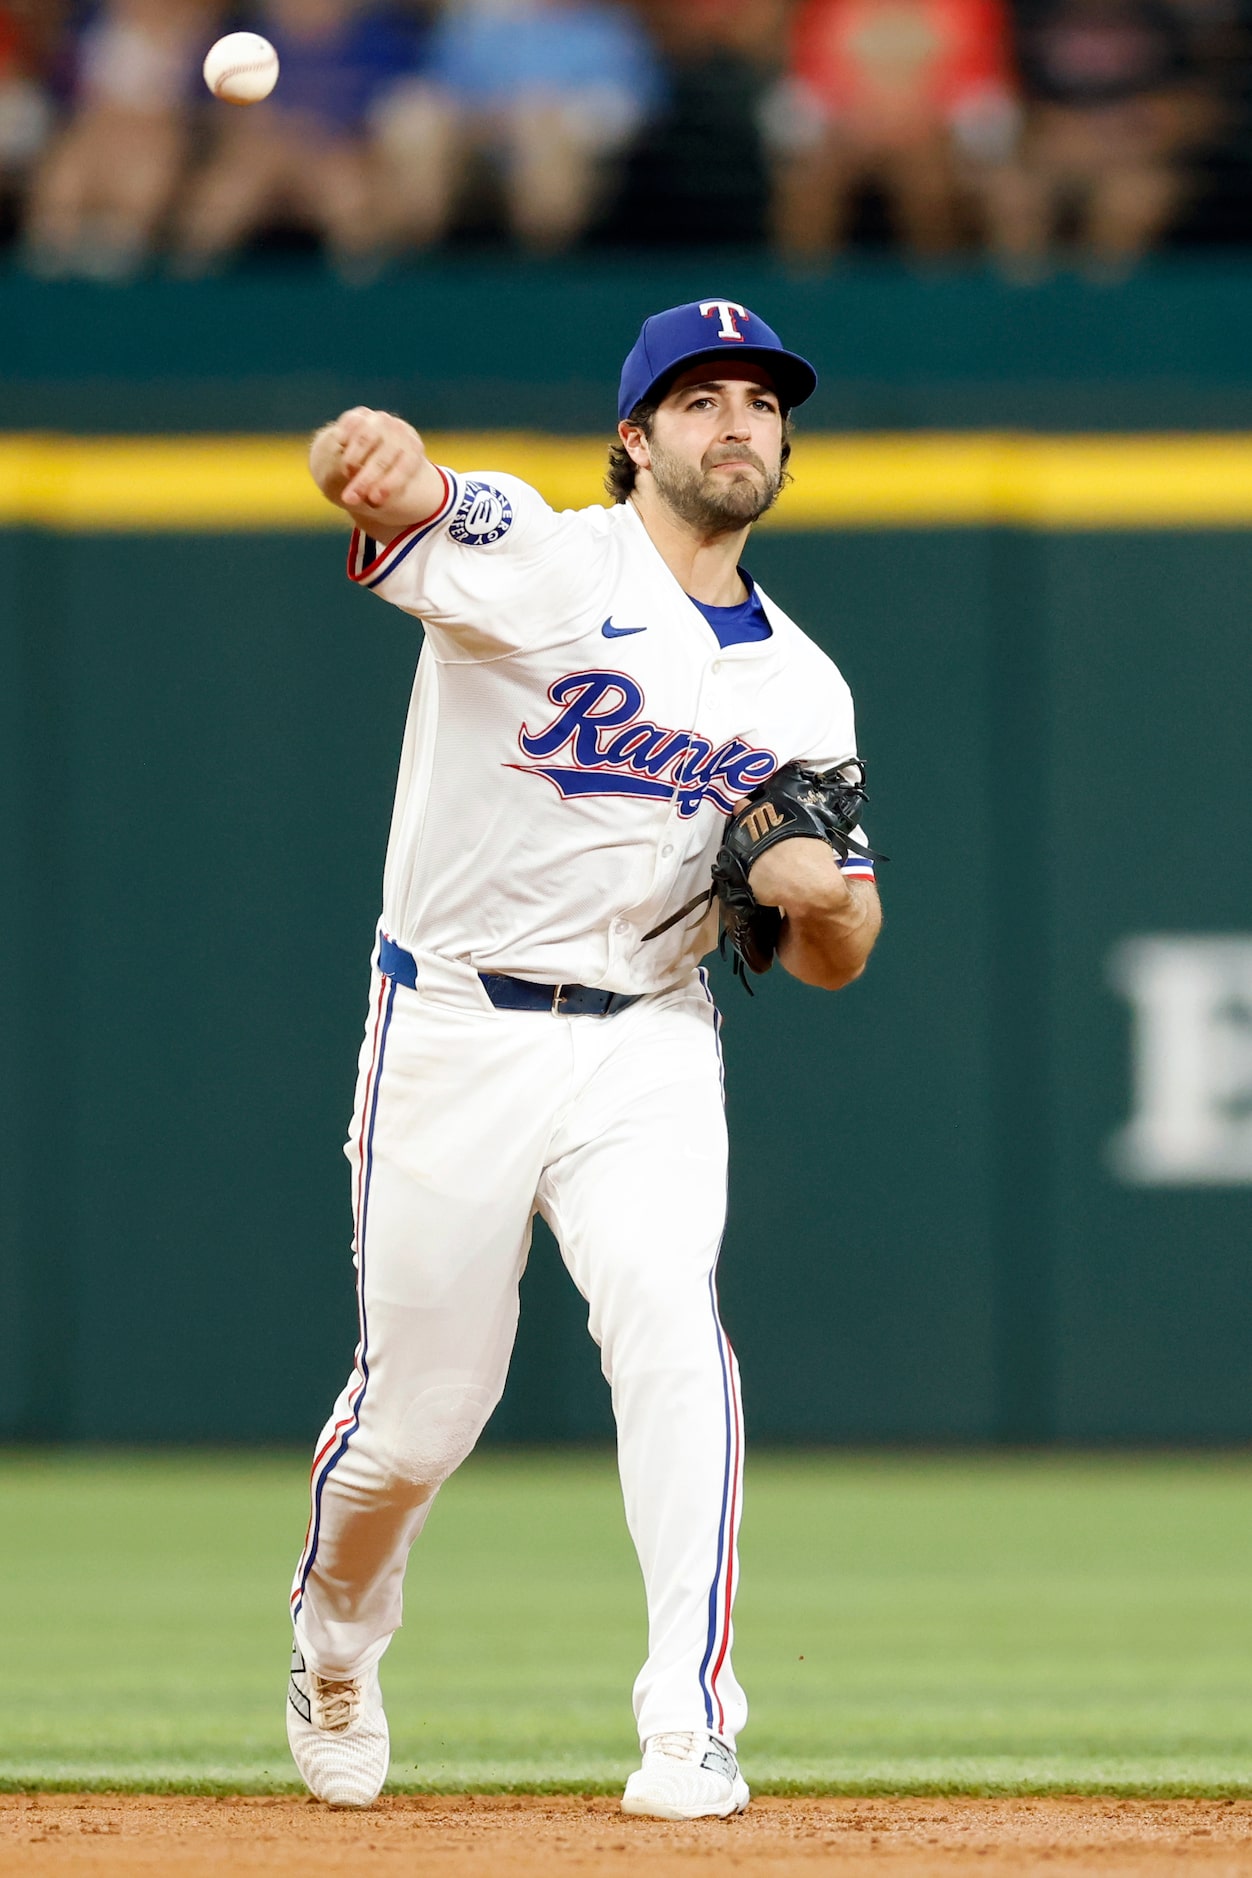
242 68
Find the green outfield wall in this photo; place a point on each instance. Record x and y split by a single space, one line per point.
939 1226
999 1190
538 345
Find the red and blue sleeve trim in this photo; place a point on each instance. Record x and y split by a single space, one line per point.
368 566
856 867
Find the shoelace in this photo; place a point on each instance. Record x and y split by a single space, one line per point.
337 1703
680 1745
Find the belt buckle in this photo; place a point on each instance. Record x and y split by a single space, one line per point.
558 991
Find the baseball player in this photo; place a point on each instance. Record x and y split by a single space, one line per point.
599 694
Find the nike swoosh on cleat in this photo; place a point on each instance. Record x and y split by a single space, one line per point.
611 631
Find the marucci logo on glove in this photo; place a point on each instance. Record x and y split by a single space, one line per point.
760 822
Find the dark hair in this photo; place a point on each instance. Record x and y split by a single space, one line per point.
619 478
621 475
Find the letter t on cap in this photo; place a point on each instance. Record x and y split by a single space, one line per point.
726 310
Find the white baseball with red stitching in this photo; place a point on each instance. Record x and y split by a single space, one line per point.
242 68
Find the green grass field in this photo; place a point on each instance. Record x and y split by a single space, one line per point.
906 1624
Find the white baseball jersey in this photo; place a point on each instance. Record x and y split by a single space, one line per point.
576 739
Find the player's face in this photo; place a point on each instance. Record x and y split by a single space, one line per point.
716 445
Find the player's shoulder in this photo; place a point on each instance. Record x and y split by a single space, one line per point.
486 506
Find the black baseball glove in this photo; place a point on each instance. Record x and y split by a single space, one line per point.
796 800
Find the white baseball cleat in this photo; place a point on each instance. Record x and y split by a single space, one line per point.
337 1732
686 1776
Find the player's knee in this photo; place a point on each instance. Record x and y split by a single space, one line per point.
665 1311
436 1432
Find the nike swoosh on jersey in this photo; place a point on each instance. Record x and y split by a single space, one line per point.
611 631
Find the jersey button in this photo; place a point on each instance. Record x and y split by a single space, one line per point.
621 925
668 848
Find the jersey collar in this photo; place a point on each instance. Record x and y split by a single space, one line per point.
748 649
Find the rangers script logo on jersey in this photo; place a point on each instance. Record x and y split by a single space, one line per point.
615 750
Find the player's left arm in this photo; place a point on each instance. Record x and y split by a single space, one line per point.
830 921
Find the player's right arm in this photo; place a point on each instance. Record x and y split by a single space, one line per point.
478 557
374 466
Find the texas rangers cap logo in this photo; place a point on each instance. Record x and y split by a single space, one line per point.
728 311
702 329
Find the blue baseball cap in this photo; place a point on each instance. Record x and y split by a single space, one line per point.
709 329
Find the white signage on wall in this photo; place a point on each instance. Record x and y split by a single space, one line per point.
1191 1057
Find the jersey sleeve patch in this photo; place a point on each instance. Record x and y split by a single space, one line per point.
483 515
368 567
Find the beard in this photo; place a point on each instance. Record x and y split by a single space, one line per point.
721 505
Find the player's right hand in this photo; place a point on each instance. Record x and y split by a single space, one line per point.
379 455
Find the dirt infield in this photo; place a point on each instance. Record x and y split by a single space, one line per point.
467 1837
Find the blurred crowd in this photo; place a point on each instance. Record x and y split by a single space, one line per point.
1035 130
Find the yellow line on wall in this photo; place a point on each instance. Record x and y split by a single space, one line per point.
904 480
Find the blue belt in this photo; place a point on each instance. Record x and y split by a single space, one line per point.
514 994
518 994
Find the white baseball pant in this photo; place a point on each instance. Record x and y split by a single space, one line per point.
467 1120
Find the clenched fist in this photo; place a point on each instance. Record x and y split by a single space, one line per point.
374 465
